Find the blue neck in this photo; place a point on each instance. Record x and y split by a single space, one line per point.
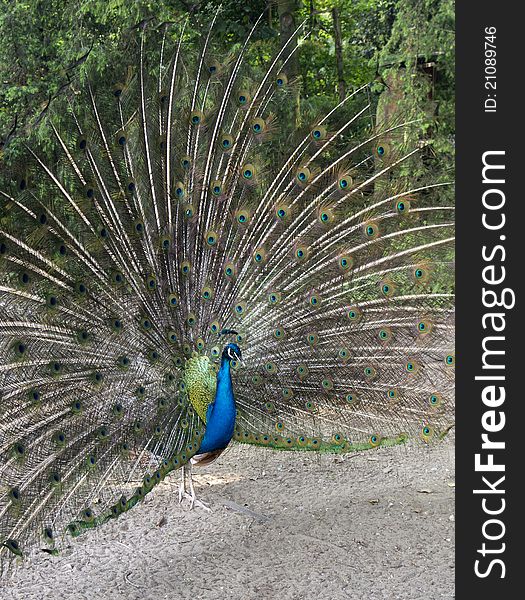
220 417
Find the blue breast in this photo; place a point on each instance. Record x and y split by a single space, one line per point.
221 413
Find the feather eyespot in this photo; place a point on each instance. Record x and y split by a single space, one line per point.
281 80
318 133
243 98
259 256
345 182
226 142
180 191
196 117
248 172
258 126
302 176
207 292
229 269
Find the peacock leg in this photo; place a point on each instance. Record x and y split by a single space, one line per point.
191 495
182 485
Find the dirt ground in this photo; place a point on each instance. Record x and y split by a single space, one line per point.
283 525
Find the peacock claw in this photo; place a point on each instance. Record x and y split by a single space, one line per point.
196 502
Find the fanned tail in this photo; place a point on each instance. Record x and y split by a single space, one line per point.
181 203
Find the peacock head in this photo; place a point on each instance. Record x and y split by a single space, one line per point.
232 352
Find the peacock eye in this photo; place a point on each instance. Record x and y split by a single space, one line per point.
380 150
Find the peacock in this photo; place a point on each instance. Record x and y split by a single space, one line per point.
192 264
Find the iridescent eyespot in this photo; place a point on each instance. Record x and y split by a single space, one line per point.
343 354
318 133
185 267
179 190
211 237
312 338
274 298
411 366
300 253
303 175
216 188
402 206
242 217
196 117
424 326
243 98
258 125
344 182
380 150
435 400
173 300
214 67
226 142
314 300
391 394
259 256
374 440
278 333
229 269
351 398
384 334
369 372
450 360
248 172
207 293
327 384
302 371
371 230
151 282
239 308
326 216
279 426
387 288
281 80
426 432
353 314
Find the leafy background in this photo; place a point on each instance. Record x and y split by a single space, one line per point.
406 47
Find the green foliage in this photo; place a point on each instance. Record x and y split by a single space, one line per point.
417 64
49 46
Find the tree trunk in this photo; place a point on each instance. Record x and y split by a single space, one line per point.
341 85
287 26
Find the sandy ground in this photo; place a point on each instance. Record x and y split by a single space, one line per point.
283 525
